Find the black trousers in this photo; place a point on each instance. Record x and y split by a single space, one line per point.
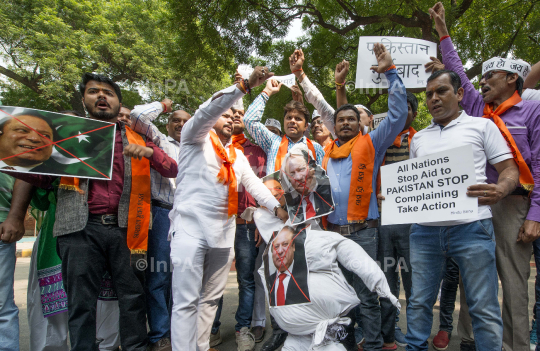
85 257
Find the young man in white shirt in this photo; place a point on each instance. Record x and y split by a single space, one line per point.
203 218
470 242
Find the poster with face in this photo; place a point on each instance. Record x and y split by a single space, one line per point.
306 187
41 142
285 267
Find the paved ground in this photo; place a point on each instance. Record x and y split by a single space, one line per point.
227 317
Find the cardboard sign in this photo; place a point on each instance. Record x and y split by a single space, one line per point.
409 55
288 80
429 189
41 142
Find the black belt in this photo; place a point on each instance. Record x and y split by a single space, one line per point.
161 204
354 227
520 191
106 219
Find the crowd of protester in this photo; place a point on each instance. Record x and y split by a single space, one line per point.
204 176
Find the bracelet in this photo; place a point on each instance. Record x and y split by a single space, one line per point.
246 86
164 107
298 70
444 37
340 85
242 86
391 67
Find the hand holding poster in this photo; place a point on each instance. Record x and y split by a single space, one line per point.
429 189
409 56
287 80
41 142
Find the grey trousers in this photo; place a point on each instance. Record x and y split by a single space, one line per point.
513 266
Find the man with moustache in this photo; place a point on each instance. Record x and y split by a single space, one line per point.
203 219
123 115
245 248
320 133
516 218
94 218
352 164
159 273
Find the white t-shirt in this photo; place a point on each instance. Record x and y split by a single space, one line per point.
487 142
530 94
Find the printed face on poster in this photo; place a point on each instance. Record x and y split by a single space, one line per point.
429 189
41 142
409 55
285 267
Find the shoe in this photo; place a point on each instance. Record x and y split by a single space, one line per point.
533 336
359 336
258 333
163 344
390 347
441 340
467 346
274 343
399 337
215 339
245 340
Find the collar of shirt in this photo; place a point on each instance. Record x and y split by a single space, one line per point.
462 118
171 140
18 168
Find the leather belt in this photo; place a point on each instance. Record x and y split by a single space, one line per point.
106 219
242 221
520 191
348 229
161 204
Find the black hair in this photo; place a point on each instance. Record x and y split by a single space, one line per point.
127 106
35 114
411 99
348 107
455 80
73 112
87 77
519 83
298 106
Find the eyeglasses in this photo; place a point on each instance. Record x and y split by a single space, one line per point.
490 74
315 122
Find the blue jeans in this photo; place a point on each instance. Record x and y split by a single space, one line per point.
536 309
394 253
448 295
246 254
9 313
370 316
159 276
472 246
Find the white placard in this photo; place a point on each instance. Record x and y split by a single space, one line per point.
378 118
409 55
429 189
245 71
288 80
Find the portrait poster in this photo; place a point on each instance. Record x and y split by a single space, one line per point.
286 269
49 143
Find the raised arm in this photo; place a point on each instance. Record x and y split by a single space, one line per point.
472 102
533 77
312 94
340 75
393 124
252 119
197 128
142 120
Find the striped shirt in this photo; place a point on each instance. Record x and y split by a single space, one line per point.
6 191
267 140
142 117
397 154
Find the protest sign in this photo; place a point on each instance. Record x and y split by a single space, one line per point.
288 80
429 189
409 56
41 142
378 118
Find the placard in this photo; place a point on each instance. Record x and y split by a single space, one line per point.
42 142
429 189
245 71
409 55
288 80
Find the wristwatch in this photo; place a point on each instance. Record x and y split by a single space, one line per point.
275 210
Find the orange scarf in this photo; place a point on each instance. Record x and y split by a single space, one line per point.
411 131
283 149
226 173
363 160
139 198
238 140
525 176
